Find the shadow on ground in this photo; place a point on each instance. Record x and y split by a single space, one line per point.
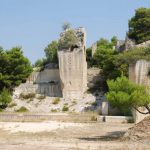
111 136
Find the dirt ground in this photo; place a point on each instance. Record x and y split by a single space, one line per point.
54 135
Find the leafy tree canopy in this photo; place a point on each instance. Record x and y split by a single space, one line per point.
139 25
14 67
124 94
51 52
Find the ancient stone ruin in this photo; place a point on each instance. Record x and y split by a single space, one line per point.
128 44
69 79
73 67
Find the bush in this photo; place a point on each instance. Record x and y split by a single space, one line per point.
65 108
56 101
12 105
93 118
41 97
68 40
27 95
5 98
22 109
53 110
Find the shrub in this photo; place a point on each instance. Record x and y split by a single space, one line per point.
93 118
65 108
68 40
22 109
27 95
74 102
5 98
12 105
56 101
41 97
53 110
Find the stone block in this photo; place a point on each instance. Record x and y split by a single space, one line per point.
104 108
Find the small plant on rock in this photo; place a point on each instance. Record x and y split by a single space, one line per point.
65 108
53 110
22 109
56 101
12 105
27 95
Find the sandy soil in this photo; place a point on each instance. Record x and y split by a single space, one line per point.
66 136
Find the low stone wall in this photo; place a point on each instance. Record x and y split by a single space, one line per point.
46 82
144 44
32 117
115 119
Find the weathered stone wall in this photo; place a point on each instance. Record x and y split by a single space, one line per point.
127 44
144 44
93 77
46 82
46 75
94 48
73 68
138 73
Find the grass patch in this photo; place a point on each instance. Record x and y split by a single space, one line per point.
65 108
53 110
22 109
27 95
40 97
30 100
74 102
56 101
93 118
12 105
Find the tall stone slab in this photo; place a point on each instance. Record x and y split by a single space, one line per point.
73 67
138 73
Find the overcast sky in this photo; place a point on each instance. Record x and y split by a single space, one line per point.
32 24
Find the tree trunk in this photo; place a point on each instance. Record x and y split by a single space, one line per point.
144 113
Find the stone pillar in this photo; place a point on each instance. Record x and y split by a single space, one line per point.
105 108
73 68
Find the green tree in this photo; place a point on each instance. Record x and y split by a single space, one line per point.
68 40
125 94
5 98
38 63
139 25
104 58
89 58
114 40
14 68
51 52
